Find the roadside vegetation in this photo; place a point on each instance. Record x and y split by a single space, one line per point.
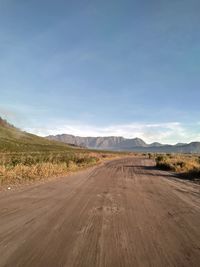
186 165
25 157
22 167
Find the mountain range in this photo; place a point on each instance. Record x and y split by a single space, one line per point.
119 143
13 139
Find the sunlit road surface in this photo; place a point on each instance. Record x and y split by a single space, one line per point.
122 213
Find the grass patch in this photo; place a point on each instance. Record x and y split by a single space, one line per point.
28 157
23 167
187 166
19 167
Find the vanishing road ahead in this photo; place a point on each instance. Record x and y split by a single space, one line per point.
122 213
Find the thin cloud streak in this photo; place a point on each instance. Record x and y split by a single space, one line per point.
171 133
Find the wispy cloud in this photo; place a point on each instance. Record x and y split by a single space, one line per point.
171 132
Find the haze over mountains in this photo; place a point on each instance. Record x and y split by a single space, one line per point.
13 139
119 143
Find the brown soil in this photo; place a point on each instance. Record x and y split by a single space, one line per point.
124 213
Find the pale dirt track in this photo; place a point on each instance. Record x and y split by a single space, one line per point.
124 213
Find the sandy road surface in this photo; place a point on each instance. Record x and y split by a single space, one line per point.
124 213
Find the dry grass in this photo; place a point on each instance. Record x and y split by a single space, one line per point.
27 157
24 167
21 173
188 166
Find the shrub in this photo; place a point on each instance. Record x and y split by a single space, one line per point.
24 166
160 158
166 166
192 174
150 155
188 166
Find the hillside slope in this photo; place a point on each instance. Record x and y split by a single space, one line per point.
15 140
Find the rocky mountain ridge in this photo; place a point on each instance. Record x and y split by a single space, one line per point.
119 143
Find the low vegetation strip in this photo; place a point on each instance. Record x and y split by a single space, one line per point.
27 157
23 167
187 166
20 167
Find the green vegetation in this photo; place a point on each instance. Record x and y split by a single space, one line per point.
15 140
27 157
187 166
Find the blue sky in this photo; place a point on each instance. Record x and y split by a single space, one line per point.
128 68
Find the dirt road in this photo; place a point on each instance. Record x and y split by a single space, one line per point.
124 213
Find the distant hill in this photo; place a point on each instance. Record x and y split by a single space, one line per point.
15 140
121 143
110 142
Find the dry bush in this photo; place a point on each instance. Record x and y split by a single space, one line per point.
187 166
17 168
